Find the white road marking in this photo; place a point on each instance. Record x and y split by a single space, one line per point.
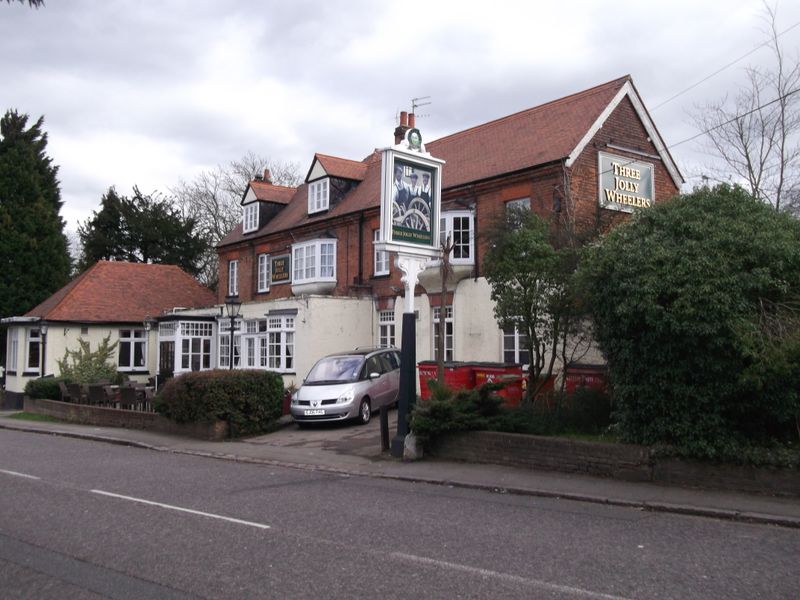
506 576
181 509
15 474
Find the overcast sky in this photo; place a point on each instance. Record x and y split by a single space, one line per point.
152 92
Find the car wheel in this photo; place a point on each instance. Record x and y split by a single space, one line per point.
364 412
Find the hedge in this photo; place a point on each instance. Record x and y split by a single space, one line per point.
249 401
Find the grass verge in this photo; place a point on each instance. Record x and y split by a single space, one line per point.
28 416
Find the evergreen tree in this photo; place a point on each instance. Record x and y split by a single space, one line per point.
141 228
34 256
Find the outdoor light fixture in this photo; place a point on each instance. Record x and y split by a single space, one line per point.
232 307
43 348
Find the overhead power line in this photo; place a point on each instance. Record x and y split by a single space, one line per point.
735 117
721 69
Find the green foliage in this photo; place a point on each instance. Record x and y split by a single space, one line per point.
142 228
530 267
249 401
680 295
87 366
587 412
45 387
447 411
33 248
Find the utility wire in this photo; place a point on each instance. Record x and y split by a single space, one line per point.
721 69
735 117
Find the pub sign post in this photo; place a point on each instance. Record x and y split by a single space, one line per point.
410 209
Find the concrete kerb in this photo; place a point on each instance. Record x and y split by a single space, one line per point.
664 507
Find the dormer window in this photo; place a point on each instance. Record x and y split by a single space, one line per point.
318 196
250 219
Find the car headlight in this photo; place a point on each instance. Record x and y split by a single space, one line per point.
294 398
346 397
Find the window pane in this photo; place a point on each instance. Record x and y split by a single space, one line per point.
138 354
124 354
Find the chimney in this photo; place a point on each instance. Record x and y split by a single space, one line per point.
400 132
267 176
411 120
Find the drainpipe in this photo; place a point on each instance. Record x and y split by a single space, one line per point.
361 247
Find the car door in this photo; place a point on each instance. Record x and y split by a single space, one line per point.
392 375
378 387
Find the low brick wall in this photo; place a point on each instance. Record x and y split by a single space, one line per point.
617 461
631 463
129 419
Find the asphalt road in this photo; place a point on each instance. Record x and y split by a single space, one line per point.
81 519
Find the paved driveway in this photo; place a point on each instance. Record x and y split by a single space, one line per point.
340 438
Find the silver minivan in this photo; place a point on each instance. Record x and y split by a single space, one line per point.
348 385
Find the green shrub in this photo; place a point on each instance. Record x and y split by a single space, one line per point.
85 365
45 388
249 401
692 303
446 410
587 412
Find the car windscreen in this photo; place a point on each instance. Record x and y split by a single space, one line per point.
335 369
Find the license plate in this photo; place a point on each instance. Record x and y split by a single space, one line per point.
311 413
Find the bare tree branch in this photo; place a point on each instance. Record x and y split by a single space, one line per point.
757 132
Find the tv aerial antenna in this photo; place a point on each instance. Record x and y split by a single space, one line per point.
417 102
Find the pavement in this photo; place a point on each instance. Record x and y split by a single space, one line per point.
356 450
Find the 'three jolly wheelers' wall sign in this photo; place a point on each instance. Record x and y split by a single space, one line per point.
625 184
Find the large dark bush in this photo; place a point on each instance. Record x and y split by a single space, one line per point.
681 297
45 388
585 412
249 401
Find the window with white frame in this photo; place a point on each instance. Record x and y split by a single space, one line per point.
233 278
13 349
515 346
195 354
280 343
132 349
314 261
225 343
34 359
386 337
249 344
448 332
250 217
318 196
381 257
263 272
196 340
458 227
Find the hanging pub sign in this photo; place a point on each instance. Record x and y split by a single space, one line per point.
625 184
410 198
280 268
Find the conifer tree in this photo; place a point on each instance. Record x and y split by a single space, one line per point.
34 256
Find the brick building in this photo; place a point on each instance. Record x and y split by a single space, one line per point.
304 264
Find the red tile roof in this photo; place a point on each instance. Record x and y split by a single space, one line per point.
526 139
341 167
123 292
532 137
272 193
